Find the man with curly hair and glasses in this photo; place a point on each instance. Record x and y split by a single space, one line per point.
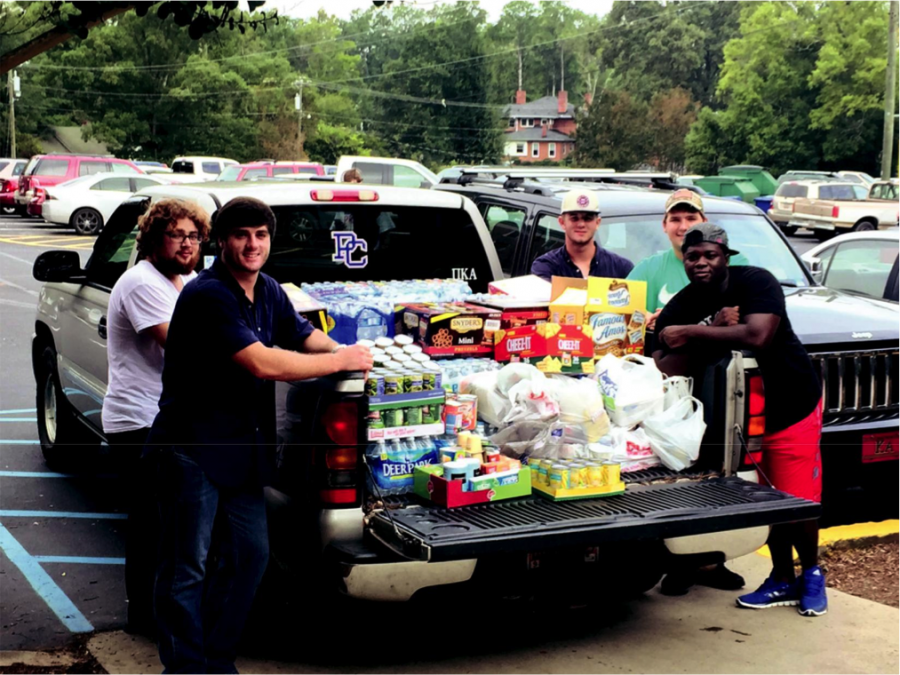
140 308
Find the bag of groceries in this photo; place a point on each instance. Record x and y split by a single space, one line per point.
675 434
632 388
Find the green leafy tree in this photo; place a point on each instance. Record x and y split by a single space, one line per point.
669 119
613 133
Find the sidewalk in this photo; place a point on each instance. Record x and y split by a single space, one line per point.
701 633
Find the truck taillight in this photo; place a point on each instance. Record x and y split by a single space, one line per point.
756 422
835 211
5 186
338 474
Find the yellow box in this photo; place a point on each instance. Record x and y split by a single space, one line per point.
617 314
568 308
616 295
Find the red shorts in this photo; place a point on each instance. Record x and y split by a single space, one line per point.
792 458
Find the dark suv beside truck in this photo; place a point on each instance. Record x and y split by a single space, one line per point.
320 513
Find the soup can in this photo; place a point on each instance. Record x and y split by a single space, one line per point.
374 384
392 384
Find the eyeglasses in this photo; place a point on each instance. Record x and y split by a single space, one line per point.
193 237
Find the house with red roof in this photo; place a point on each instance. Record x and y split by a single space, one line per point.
541 129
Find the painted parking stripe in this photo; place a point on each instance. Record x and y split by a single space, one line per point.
34 474
20 411
58 602
18 419
77 560
63 514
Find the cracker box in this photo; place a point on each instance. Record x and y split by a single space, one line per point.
617 315
446 329
515 313
549 347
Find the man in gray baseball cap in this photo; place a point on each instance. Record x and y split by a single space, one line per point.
743 308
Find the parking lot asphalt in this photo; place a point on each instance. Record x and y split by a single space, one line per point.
62 533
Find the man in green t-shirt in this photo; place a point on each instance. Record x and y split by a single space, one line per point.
664 272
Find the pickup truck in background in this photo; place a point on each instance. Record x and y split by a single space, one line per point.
321 518
782 210
386 171
827 217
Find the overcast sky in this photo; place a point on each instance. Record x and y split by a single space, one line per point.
305 9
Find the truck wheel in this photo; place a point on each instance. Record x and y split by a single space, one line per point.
864 226
86 221
62 442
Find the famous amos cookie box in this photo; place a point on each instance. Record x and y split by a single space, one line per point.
617 314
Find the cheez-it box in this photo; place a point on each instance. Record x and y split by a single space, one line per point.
549 347
617 315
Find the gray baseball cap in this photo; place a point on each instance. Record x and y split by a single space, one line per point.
706 233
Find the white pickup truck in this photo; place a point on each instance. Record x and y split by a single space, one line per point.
828 217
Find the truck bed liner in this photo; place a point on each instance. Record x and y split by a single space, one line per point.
530 524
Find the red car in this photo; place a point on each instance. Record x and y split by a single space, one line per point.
254 170
46 170
10 170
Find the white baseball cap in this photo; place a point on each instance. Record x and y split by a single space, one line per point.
581 201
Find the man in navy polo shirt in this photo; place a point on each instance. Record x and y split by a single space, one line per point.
215 437
581 257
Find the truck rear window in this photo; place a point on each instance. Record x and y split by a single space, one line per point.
182 166
403 242
789 190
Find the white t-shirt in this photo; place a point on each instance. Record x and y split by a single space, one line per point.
141 298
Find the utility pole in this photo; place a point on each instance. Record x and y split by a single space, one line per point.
11 86
298 105
890 94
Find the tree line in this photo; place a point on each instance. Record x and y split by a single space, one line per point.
686 86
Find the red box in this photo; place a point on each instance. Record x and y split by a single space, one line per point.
550 347
880 447
516 313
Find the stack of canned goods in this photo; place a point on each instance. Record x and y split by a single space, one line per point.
573 474
400 368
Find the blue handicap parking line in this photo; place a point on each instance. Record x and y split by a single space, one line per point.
58 602
63 514
77 560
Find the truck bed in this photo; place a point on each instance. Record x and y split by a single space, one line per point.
433 534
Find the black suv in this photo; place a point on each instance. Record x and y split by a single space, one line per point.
853 341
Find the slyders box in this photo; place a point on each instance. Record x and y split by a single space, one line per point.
449 328
617 315
549 347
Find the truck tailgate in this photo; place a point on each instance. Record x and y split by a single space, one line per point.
534 524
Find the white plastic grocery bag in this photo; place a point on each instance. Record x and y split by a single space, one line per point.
632 388
677 388
581 405
675 434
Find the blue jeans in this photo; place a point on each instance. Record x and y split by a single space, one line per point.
207 575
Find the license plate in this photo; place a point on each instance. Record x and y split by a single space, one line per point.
880 447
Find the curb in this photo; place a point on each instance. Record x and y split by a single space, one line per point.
845 537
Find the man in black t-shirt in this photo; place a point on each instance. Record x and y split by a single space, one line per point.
725 308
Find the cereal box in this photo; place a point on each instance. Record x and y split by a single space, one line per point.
444 329
550 347
617 315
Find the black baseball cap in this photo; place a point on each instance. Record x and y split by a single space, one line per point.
706 233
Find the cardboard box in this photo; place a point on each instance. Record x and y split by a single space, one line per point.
550 347
515 313
444 329
568 308
566 494
529 287
310 309
617 315
430 485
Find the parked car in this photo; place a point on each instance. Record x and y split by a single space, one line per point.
254 170
330 169
858 177
387 171
787 193
322 520
195 169
152 167
828 217
44 171
10 170
807 175
86 203
862 263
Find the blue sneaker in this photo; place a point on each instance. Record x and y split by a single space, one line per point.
812 592
772 593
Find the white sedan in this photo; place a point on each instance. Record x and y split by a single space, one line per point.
86 203
864 263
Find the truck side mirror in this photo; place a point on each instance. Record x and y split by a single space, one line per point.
815 267
58 266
